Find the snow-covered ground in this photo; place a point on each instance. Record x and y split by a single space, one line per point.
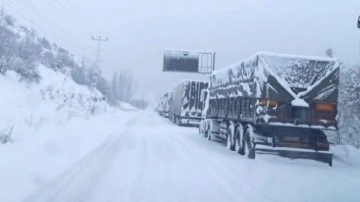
50 128
31 164
59 152
55 100
139 156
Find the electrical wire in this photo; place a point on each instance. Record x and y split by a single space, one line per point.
20 12
73 20
22 15
36 12
81 16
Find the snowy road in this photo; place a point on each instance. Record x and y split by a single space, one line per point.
150 159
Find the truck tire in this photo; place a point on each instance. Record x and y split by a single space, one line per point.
208 135
248 144
200 130
178 121
230 143
239 143
171 118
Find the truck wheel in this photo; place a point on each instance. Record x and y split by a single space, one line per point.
248 144
178 121
202 131
208 135
239 137
330 162
230 143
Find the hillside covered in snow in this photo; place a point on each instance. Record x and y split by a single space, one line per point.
44 83
46 127
55 99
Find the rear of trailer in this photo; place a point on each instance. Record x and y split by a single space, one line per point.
186 106
164 104
276 100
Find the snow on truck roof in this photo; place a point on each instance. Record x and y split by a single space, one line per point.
264 54
297 70
298 57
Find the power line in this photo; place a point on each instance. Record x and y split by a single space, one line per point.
81 16
35 11
20 12
74 20
46 20
22 15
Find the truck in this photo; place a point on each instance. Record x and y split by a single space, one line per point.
274 103
186 106
164 104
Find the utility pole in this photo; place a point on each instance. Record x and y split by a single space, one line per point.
96 71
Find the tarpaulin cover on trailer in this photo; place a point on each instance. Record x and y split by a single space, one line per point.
278 76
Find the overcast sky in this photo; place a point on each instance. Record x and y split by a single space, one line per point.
140 30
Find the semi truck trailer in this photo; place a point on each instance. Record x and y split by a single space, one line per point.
274 103
185 105
164 104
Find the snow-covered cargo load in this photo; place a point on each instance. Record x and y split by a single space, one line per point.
186 106
279 89
276 99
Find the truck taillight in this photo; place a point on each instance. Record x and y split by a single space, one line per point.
268 103
325 107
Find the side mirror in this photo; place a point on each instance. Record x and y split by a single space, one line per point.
358 24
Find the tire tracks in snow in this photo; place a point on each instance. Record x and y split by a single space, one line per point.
78 182
215 170
198 156
152 158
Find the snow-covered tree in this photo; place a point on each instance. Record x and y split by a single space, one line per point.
22 50
28 57
114 88
8 49
104 87
125 87
349 102
329 53
122 86
78 74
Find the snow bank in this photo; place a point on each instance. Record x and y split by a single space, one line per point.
52 129
126 106
346 154
54 100
32 163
